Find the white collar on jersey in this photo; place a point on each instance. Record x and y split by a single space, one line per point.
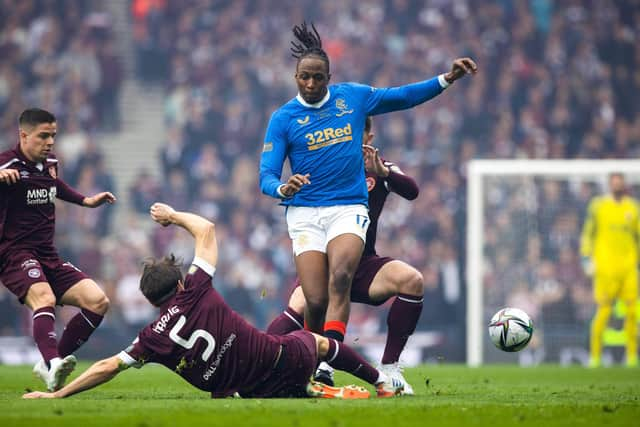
318 104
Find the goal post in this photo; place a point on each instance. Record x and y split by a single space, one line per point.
478 174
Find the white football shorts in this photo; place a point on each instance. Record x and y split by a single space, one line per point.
312 228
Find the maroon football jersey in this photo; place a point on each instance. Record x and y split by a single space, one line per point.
198 336
379 188
27 208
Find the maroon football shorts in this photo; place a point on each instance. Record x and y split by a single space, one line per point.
23 268
293 370
367 270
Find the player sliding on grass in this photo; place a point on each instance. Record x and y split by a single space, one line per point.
30 266
200 338
320 132
377 278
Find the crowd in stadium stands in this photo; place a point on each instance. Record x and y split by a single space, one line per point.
556 80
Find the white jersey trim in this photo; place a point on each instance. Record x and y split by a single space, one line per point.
9 163
318 104
443 82
293 319
204 266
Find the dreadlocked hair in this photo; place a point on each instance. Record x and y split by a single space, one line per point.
310 43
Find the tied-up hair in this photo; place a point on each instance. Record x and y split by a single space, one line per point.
309 43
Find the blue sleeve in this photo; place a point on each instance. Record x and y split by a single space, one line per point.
384 100
274 152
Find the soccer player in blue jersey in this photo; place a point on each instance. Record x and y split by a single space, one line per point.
320 132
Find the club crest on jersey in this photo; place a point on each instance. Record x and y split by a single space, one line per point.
304 121
52 172
341 105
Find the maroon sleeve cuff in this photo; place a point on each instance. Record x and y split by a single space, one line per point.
403 185
67 193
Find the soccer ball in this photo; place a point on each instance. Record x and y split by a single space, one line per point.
510 329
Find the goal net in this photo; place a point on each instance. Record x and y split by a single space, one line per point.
524 219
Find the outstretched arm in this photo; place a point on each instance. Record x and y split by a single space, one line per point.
68 194
202 230
400 98
99 373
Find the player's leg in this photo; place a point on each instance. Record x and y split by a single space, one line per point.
346 233
52 369
343 253
93 303
41 300
308 238
292 318
399 279
629 296
311 267
25 277
344 358
601 288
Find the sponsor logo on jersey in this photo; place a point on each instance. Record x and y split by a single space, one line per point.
34 273
328 136
161 325
341 105
41 196
214 365
268 146
303 122
24 174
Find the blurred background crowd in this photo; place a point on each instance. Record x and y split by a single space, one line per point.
556 80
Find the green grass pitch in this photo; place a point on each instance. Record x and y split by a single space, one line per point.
454 396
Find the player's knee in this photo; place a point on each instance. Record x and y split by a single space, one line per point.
413 284
39 297
45 299
341 279
317 305
100 305
296 301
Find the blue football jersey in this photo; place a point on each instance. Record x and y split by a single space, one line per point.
324 140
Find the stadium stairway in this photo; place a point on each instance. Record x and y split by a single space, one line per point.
136 147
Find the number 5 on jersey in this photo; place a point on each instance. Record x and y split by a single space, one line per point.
189 343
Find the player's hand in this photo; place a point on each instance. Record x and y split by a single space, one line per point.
38 395
587 266
99 199
9 176
372 161
294 184
460 68
162 213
